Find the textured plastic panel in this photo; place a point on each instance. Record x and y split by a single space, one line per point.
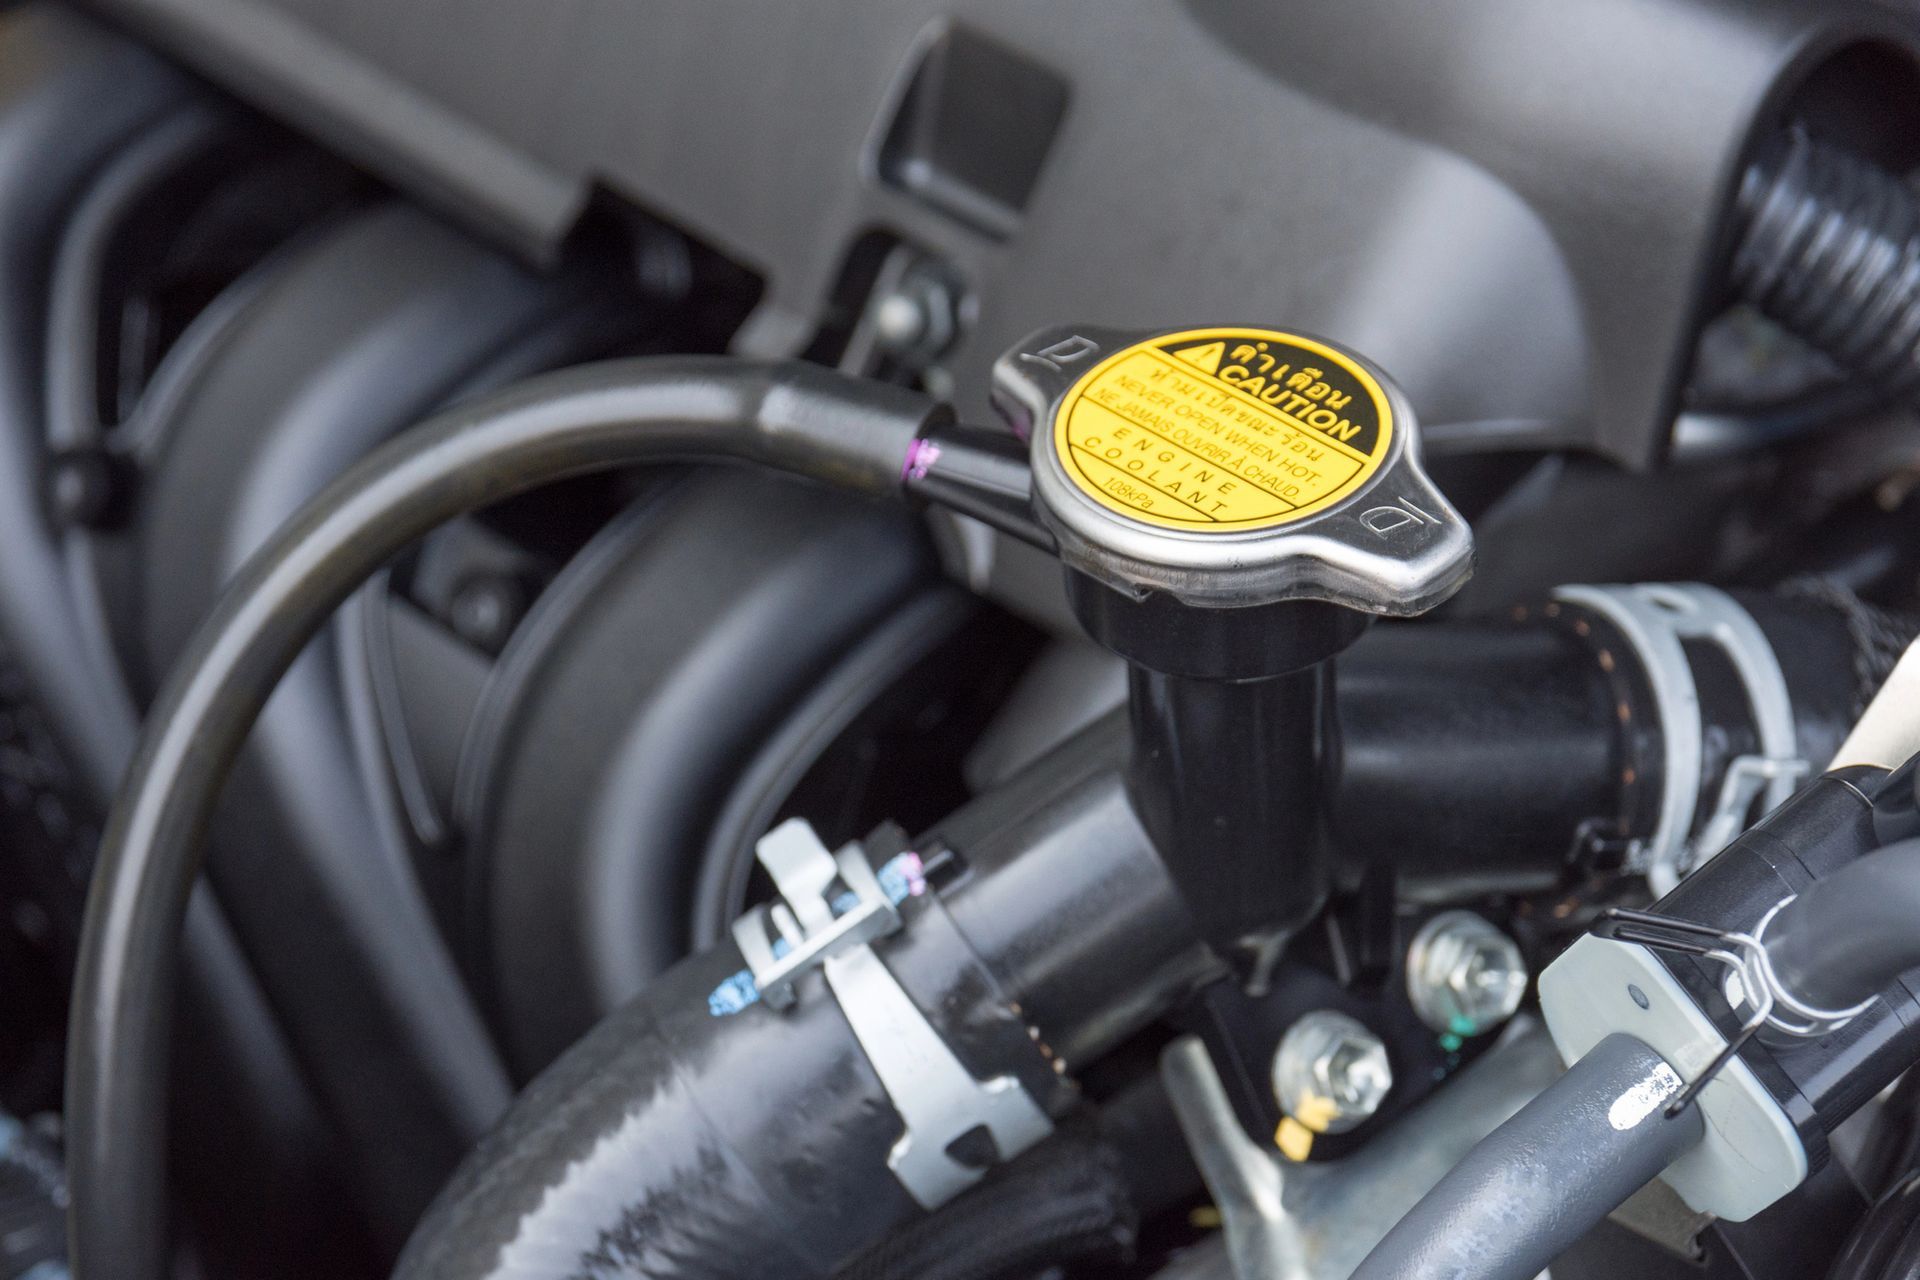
1515 208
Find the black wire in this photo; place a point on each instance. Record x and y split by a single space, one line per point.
80 268
793 417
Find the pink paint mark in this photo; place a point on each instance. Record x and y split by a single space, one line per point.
915 871
921 455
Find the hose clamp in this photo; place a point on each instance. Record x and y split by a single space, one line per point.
1751 981
1740 954
833 907
832 902
1807 1021
1657 619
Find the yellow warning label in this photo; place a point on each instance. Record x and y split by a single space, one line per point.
1223 430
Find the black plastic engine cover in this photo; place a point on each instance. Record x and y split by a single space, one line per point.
1517 208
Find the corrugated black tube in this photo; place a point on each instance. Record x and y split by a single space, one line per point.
1830 249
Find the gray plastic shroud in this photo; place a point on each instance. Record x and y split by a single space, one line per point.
1517 207
1393 545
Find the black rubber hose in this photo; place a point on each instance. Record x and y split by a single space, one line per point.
1878 1235
647 1151
1548 1175
1065 1201
342 933
793 417
1831 250
1847 936
644 1151
1904 1261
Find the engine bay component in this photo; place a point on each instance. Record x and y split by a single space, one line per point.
594 407
1326 1216
1771 1101
939 1101
1276 459
648 714
1185 697
813 762
1013 966
1566 243
1464 976
1231 517
1658 622
1330 1073
573 423
1830 250
1535 1184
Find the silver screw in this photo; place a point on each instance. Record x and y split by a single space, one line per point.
1330 1073
1464 976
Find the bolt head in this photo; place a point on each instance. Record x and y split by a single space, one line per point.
900 320
82 488
918 318
1464 976
485 609
1330 1072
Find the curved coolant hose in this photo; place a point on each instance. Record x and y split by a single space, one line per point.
696 1133
1851 933
1065 1201
1547 1176
793 417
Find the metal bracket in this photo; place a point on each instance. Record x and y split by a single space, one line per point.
936 1096
938 1099
1655 619
1745 778
808 928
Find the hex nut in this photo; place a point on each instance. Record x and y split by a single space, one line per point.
1330 1072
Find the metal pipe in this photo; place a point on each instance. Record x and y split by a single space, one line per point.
1330 1214
1547 1176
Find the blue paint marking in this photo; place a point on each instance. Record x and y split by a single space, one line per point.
899 879
733 995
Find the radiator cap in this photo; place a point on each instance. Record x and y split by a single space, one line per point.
1229 467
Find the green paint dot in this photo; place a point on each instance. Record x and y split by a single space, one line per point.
1461 1025
1450 1042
